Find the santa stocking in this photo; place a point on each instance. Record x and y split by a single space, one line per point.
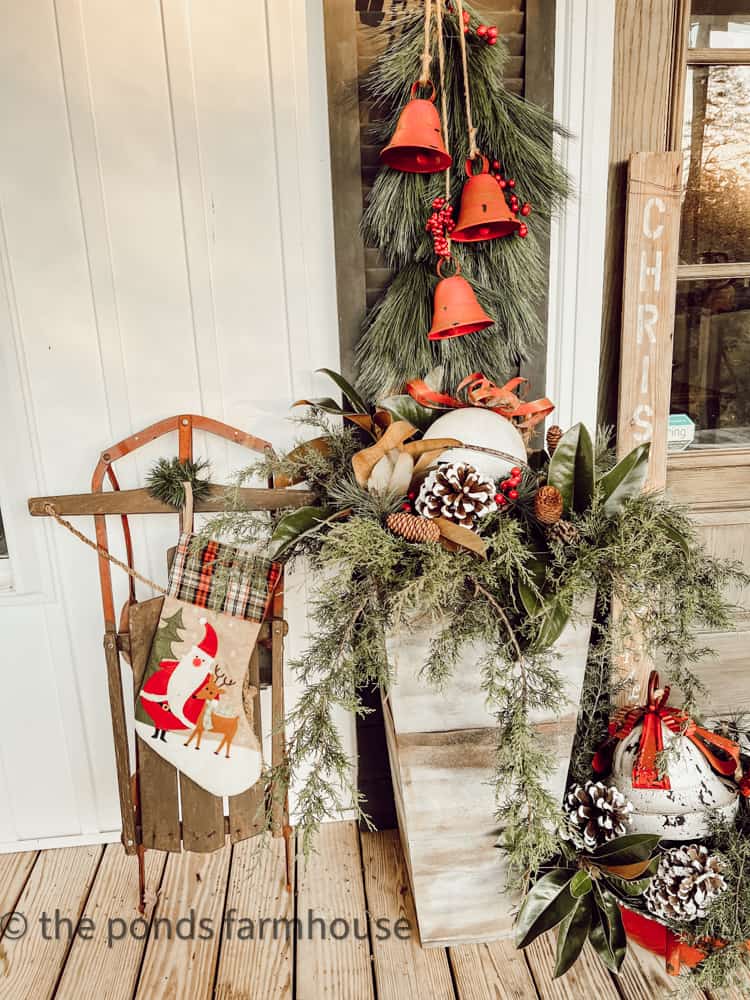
190 706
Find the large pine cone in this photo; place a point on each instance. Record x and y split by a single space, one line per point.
687 881
563 532
413 528
458 493
548 505
595 813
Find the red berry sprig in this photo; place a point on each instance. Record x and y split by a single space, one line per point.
487 32
509 487
508 184
440 225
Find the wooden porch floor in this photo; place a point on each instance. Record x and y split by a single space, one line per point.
88 948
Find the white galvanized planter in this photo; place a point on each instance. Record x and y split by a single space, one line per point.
441 746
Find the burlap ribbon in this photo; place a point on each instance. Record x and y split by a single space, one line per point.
721 753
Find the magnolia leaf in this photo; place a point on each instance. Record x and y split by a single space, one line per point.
581 884
465 538
556 617
347 388
625 480
324 403
531 596
628 850
298 523
634 870
628 887
572 934
677 537
571 469
607 933
406 408
546 903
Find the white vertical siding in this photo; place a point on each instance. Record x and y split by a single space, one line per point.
165 246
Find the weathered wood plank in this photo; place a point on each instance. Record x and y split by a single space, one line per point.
587 978
492 971
141 502
652 232
15 870
403 970
246 811
181 966
202 817
157 779
640 121
109 961
331 888
59 884
260 965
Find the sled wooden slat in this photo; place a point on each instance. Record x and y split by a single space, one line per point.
202 817
140 501
246 813
160 804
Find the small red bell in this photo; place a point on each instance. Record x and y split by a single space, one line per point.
416 146
484 213
456 311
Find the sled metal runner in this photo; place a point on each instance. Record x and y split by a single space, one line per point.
160 807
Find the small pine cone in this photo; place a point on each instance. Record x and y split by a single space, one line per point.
554 434
686 883
457 492
563 532
595 813
548 505
413 528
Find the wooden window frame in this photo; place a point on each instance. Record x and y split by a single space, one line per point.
691 476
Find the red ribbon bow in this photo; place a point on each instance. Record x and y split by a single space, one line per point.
721 753
480 391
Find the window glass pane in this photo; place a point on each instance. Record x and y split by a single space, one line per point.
711 361
716 165
728 29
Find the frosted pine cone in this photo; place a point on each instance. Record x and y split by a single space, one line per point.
595 813
458 493
548 505
687 881
413 528
554 434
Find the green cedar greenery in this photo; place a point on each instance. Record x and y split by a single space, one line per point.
166 477
507 274
642 550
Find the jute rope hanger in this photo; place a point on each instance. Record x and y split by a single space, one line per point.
473 148
186 521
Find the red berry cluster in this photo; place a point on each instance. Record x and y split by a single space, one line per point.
440 225
509 487
408 505
487 32
508 184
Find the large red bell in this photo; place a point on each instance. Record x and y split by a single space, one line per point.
416 146
456 311
484 212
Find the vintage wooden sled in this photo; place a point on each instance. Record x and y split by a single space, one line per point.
160 807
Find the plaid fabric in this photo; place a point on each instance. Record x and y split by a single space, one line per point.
222 578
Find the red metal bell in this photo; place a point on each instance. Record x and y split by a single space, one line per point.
416 146
484 213
456 311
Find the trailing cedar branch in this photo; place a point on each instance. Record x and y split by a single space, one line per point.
508 274
641 550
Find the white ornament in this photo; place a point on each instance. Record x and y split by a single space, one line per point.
680 812
475 425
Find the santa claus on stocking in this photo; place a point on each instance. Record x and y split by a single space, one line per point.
169 696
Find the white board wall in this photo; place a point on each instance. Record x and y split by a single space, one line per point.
166 246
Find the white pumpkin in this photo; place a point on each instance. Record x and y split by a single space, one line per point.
680 812
479 426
